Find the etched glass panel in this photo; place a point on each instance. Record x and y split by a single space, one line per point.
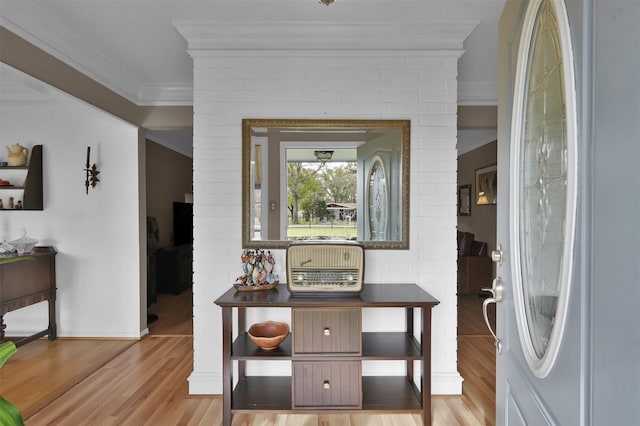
543 180
377 199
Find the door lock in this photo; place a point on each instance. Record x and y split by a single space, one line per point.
497 255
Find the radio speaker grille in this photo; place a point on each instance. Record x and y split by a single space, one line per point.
325 267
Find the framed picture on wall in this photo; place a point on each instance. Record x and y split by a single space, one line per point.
487 185
464 200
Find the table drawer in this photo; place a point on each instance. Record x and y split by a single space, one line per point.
327 331
320 384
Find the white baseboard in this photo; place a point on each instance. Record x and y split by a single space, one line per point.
205 383
446 384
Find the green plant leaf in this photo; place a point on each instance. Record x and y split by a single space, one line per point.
9 414
6 350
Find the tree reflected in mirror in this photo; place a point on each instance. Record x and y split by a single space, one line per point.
321 200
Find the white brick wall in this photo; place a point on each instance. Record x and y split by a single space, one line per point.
420 87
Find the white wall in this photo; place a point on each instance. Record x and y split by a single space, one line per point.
96 235
420 86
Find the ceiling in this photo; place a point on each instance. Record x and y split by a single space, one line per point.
133 47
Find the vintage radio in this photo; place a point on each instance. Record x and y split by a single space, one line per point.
335 267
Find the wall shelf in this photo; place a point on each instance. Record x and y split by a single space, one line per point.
26 183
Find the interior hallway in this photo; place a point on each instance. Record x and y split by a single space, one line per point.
124 382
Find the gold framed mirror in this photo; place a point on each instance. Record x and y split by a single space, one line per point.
323 179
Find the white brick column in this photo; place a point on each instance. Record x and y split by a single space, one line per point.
343 82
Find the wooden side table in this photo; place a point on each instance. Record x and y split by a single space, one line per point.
379 393
26 280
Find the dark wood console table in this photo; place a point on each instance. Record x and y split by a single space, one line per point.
326 339
26 280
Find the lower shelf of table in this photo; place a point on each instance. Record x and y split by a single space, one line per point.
262 393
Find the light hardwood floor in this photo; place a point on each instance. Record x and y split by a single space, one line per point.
112 382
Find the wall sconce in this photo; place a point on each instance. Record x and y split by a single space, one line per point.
91 173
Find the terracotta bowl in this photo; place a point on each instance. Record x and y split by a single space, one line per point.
269 334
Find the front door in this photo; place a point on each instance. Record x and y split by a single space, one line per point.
379 196
539 366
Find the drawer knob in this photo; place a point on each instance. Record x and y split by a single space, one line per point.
326 385
326 331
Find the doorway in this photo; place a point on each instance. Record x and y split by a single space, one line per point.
477 151
169 189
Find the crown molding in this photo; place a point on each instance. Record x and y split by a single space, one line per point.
29 22
33 25
299 36
162 95
477 94
27 74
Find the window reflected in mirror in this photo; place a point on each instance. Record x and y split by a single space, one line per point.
325 180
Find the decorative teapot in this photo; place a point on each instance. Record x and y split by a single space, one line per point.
17 155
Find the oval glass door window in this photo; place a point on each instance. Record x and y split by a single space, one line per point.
377 200
543 182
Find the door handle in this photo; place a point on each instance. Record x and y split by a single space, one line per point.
496 289
496 296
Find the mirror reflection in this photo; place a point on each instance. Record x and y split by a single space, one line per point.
325 180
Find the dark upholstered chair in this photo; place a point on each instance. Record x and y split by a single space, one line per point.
475 270
153 245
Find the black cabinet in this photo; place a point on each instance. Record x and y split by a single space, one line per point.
174 269
182 223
